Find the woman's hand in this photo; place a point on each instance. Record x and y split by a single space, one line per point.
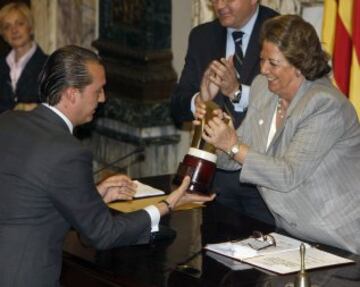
219 133
117 187
200 110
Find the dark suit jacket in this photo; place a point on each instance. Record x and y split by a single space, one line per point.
207 42
27 89
47 186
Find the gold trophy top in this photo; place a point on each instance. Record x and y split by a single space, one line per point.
197 141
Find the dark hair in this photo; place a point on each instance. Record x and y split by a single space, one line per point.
66 67
299 43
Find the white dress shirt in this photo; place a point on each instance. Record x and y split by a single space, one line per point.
230 51
16 67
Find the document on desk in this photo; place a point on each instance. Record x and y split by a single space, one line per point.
143 190
145 196
283 258
233 264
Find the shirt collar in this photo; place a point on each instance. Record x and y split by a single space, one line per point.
249 26
61 115
10 59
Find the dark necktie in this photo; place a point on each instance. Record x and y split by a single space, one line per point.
238 56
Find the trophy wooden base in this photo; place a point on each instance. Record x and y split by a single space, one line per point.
200 166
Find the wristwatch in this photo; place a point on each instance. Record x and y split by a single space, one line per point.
233 150
237 95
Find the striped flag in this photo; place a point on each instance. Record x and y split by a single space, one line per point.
341 39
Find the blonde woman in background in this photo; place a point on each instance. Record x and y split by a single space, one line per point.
20 68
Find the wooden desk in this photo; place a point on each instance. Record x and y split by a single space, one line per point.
181 261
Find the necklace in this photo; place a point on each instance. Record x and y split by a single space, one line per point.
279 109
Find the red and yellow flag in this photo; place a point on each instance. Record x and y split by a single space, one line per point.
341 39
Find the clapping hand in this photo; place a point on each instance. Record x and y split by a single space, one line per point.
223 75
209 88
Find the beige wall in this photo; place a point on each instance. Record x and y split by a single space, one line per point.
181 26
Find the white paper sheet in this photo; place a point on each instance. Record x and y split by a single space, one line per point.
144 190
288 262
282 259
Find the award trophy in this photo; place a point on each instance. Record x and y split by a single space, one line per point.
200 161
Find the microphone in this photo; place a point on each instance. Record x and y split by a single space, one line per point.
139 149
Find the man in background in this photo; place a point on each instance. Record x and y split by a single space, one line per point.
47 181
212 46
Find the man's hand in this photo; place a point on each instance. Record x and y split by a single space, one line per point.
180 197
209 88
117 187
223 75
208 91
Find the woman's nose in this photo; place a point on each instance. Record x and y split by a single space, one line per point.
264 67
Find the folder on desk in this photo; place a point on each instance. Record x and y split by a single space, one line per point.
283 258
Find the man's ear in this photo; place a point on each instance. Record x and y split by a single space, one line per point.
72 94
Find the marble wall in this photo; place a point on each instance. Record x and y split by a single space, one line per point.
64 22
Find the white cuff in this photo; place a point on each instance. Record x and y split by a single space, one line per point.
154 214
192 105
244 101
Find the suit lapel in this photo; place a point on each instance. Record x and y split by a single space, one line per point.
219 42
265 119
28 71
251 64
251 59
5 73
299 94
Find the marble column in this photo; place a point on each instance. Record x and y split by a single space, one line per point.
134 41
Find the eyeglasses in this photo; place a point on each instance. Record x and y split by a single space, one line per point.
262 241
259 241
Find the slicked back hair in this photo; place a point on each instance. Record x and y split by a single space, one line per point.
65 68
